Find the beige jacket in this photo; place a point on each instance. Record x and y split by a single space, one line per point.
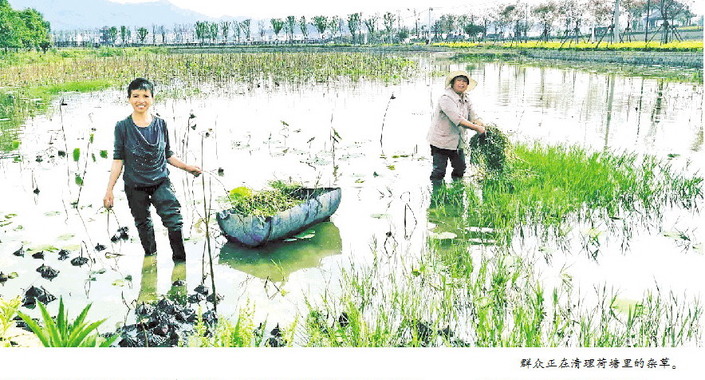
445 131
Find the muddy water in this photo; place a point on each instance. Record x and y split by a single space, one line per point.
247 137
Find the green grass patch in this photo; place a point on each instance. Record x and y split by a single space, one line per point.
49 91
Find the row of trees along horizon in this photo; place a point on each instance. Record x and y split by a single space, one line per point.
516 21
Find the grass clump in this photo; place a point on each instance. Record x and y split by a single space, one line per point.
60 332
489 151
547 190
265 203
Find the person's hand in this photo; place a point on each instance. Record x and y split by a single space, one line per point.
195 170
108 200
481 129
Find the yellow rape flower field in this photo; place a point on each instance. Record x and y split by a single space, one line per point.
624 46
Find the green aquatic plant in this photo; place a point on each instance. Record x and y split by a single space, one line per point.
8 310
264 203
60 332
489 151
545 190
226 333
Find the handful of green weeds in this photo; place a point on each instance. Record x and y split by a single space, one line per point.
489 151
264 203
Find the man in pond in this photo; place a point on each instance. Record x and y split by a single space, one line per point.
142 148
454 114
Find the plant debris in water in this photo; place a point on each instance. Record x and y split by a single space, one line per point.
161 324
264 203
121 234
63 254
47 272
34 294
78 261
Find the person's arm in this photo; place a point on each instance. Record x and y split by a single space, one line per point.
476 125
115 171
176 162
450 108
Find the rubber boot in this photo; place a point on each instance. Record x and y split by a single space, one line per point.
178 253
149 242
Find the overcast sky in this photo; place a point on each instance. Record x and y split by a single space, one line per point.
283 8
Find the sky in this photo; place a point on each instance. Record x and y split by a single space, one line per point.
282 8
405 8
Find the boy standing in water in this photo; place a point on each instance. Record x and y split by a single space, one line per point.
142 148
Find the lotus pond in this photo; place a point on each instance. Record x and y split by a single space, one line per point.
592 239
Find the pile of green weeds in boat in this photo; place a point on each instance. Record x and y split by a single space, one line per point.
263 203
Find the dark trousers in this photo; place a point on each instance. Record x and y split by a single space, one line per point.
163 198
440 162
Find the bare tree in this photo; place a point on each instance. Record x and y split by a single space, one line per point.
261 29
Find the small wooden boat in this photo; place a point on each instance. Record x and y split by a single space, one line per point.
253 231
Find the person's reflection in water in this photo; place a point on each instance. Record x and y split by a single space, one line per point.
148 285
178 291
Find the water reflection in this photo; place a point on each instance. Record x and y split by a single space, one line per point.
148 291
276 261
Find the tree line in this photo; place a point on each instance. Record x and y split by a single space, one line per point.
549 19
23 29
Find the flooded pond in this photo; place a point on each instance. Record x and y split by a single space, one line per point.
366 137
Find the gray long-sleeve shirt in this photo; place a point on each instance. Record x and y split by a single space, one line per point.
144 161
445 131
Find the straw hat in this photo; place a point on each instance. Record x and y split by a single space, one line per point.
471 82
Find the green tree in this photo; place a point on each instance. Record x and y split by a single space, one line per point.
10 27
225 30
23 29
237 30
125 34
473 30
320 23
289 27
388 21
354 25
212 31
371 25
142 33
245 28
36 30
277 25
335 25
303 25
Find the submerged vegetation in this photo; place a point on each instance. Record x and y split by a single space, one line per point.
194 68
